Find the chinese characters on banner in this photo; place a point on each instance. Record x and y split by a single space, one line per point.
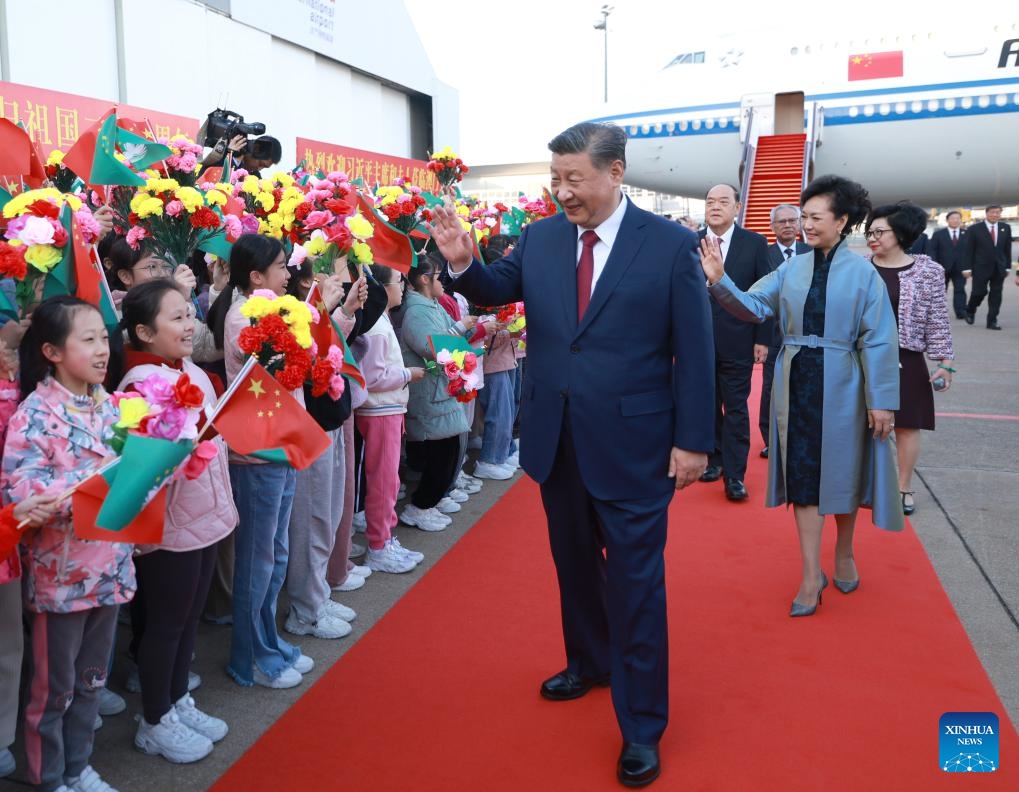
370 166
54 119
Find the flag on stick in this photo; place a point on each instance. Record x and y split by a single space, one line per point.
93 156
390 246
87 502
325 333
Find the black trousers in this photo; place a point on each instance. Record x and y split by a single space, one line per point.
986 285
610 564
164 619
732 417
438 459
958 283
768 376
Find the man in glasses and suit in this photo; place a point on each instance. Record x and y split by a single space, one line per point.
946 249
986 255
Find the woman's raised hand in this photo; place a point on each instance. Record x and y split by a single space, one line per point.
711 260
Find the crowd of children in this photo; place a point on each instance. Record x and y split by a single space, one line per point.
243 528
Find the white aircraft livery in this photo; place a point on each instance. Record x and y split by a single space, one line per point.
930 117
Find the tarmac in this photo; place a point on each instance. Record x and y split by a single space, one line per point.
967 517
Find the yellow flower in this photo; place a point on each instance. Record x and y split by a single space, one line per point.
55 158
285 179
359 226
362 252
148 206
266 200
257 307
445 154
316 246
132 410
158 185
43 257
215 198
387 195
458 356
73 201
19 203
190 197
250 185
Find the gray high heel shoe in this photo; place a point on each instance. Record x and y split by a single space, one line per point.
808 610
846 586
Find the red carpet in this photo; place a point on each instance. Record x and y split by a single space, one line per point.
846 700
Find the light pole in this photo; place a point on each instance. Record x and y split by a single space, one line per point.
604 27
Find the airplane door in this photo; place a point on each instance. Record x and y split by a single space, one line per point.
761 108
789 113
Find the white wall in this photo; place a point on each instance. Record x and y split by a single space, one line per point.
180 57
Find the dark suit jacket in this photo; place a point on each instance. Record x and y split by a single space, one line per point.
944 252
636 376
919 247
776 256
981 255
746 262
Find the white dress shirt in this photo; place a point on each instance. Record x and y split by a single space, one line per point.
607 233
726 237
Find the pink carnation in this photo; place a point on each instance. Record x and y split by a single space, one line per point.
336 386
15 227
338 176
135 236
335 357
317 219
174 208
249 223
90 228
187 162
233 226
156 391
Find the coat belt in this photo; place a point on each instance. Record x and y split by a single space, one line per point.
813 341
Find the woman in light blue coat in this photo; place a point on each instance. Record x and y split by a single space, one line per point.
836 382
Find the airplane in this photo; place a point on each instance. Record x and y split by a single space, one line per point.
928 117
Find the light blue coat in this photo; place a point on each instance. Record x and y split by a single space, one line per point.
861 372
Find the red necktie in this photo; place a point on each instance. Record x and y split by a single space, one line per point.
994 234
954 237
585 272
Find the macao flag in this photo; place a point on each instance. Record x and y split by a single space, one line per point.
875 65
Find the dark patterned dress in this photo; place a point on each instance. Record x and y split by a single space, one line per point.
806 396
916 396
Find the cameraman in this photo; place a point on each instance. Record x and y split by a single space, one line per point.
252 156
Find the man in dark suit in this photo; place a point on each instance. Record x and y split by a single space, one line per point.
615 415
785 225
946 249
986 252
738 345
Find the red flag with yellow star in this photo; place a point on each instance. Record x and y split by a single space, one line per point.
325 334
258 417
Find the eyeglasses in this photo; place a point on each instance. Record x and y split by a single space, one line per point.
396 283
155 270
875 233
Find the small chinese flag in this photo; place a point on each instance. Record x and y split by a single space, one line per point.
875 65
19 155
390 246
258 417
325 334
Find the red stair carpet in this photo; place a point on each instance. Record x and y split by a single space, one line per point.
446 684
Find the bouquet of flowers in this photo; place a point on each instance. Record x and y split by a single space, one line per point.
175 219
184 162
63 179
279 336
537 208
447 167
163 410
402 205
273 201
36 239
325 374
458 362
327 225
346 237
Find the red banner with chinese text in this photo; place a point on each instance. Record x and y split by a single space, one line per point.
370 166
54 119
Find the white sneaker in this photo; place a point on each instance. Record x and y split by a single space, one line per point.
402 492
468 483
360 571
388 559
413 555
304 664
339 610
356 550
88 781
457 495
110 703
448 506
7 763
171 739
196 720
194 681
489 470
360 522
352 583
290 677
425 519
97 724
327 627
513 460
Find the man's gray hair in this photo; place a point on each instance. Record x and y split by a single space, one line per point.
783 206
604 143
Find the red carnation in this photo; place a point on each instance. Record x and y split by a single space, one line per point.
59 235
204 217
302 210
409 208
340 235
339 207
42 208
12 263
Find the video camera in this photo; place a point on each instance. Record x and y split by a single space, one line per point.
223 125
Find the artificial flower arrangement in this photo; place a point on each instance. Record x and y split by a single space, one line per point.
175 219
538 208
184 163
447 167
62 178
273 201
162 410
280 339
458 362
345 237
402 205
36 238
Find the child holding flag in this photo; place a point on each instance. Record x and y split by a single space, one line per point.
57 438
174 577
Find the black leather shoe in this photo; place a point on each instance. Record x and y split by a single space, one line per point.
566 685
993 326
764 452
960 316
970 318
638 764
734 490
711 473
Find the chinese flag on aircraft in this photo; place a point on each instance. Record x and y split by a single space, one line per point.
875 65
258 417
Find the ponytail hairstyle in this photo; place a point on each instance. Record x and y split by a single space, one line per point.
51 324
250 253
432 264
